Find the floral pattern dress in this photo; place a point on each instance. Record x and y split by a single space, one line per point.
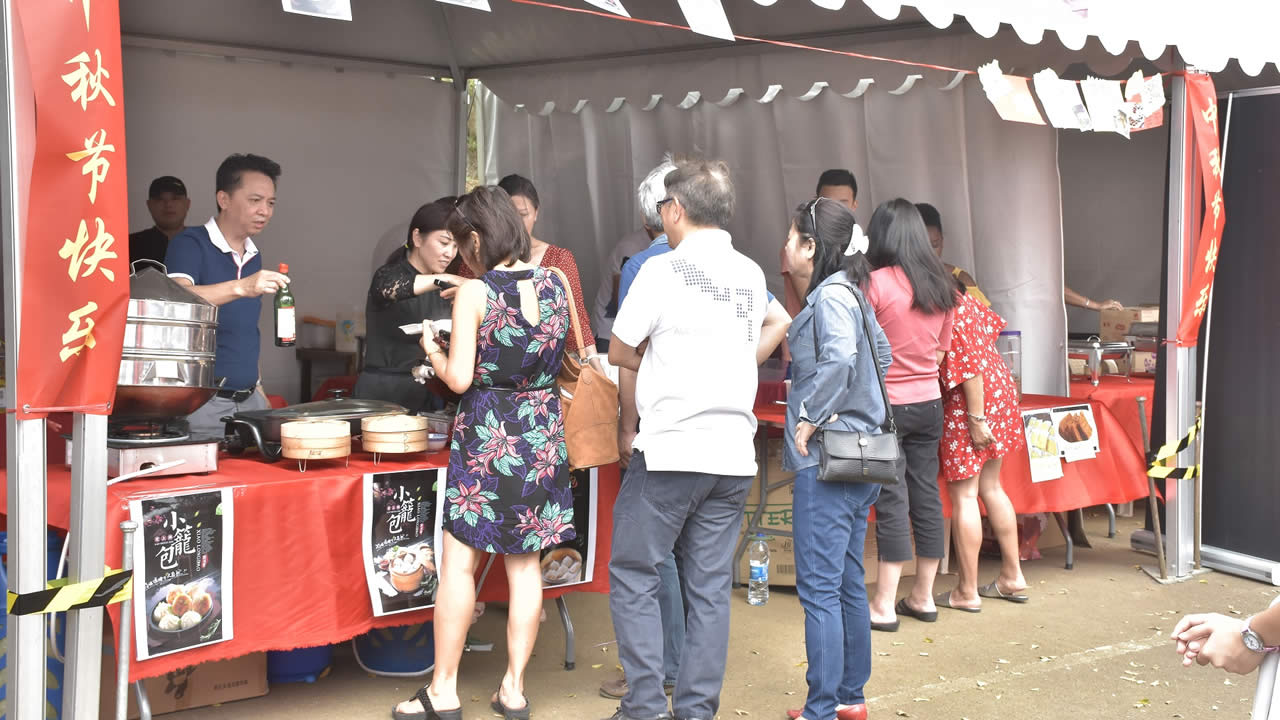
508 488
974 330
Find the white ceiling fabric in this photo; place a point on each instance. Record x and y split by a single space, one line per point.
1207 37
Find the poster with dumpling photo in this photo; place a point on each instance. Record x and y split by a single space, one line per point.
570 562
401 531
182 595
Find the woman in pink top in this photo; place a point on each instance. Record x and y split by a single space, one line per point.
913 295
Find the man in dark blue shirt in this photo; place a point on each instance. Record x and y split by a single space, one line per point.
219 262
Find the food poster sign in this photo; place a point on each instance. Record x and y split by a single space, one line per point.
184 549
571 562
1077 432
401 532
1042 445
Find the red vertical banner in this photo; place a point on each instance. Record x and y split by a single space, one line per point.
75 275
1203 259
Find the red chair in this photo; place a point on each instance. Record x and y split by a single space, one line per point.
277 401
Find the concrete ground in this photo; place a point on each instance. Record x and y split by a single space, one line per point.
1092 643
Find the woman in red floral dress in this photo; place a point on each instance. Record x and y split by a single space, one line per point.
981 424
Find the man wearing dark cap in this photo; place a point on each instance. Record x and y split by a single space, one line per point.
168 202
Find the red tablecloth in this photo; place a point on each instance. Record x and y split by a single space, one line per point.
298 566
1116 475
1120 395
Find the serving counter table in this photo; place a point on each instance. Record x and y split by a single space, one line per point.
1116 475
298 563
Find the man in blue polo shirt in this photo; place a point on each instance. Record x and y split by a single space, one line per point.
219 262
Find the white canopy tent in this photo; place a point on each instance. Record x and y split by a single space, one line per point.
366 131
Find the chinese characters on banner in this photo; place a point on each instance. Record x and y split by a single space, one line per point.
401 532
75 276
1203 259
182 594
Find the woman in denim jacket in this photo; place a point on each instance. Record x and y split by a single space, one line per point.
834 385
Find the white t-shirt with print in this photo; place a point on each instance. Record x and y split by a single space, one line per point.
701 306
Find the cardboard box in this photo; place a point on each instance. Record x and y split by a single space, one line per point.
1115 324
1144 363
192 687
782 559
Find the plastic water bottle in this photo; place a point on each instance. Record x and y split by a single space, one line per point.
758 558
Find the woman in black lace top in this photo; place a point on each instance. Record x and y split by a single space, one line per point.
404 291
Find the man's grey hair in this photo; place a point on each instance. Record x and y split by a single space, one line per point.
653 189
704 190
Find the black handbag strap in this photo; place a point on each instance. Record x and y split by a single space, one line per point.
875 360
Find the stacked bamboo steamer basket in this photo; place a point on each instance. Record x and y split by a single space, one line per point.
393 434
315 439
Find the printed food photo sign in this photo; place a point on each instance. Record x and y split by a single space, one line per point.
571 562
1042 445
401 532
183 598
1077 432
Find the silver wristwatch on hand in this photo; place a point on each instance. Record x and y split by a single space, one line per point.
1254 642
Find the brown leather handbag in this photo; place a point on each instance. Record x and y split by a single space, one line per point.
589 401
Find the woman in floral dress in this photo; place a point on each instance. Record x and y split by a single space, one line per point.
508 486
981 424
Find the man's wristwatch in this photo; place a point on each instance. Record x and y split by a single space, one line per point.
1253 640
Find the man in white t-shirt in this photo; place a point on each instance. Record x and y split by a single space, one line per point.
606 305
696 325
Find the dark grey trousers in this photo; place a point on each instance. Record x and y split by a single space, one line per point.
913 506
700 515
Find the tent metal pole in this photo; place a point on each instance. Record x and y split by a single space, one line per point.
463 107
1180 374
88 555
26 440
460 142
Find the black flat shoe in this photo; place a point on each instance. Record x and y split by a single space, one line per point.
506 712
885 627
902 608
428 712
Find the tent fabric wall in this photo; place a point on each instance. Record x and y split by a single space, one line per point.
1113 194
996 183
360 152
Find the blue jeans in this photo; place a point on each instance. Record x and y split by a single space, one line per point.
671 604
830 527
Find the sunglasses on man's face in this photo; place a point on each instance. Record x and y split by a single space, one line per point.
662 202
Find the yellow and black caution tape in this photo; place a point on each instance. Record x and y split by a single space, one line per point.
61 595
1170 450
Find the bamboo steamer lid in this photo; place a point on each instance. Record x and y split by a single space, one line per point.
315 430
393 424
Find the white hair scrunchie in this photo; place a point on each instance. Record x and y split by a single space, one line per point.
858 242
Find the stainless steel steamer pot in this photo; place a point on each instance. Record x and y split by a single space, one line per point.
170 343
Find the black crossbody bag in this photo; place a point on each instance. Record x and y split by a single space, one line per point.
857 457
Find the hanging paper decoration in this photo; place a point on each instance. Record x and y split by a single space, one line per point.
473 4
1106 105
1010 94
332 9
1146 99
706 17
1061 101
613 6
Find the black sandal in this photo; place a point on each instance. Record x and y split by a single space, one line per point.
508 713
428 712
